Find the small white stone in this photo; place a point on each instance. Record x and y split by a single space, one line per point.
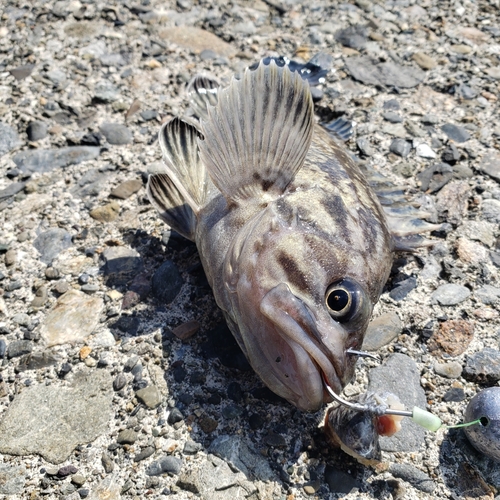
424 151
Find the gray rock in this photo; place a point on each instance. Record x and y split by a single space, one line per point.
121 260
403 288
127 436
245 28
107 463
22 72
9 138
392 117
90 183
388 73
116 133
37 130
381 331
106 92
491 210
364 146
488 294
354 37
37 360
11 190
145 453
400 147
12 479
126 189
110 60
235 451
191 448
167 282
45 160
490 165
166 465
51 243
452 369
455 132
483 367
3 348
400 375
339 481
451 154
414 476
450 294
18 348
149 396
119 382
64 418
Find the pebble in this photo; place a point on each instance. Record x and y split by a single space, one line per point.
41 297
491 210
10 257
400 147
44 160
453 337
452 370
424 61
37 360
166 465
119 382
425 151
403 288
471 252
418 479
51 243
455 394
450 294
18 348
149 396
186 330
167 282
106 213
9 139
116 133
381 331
490 165
455 132
106 92
483 367
488 294
107 463
340 482
126 189
12 479
143 454
37 130
127 436
400 375
11 190
451 154
354 37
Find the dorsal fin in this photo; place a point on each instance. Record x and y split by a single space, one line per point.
202 91
257 136
180 154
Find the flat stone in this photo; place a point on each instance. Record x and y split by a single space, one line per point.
490 165
149 396
64 418
12 479
424 61
491 210
72 319
369 72
37 360
433 178
400 147
381 331
22 72
166 465
339 481
116 133
51 243
493 72
418 479
488 294
18 348
90 183
11 190
145 453
9 138
197 40
450 294
453 200
127 436
167 282
126 189
452 370
403 288
455 394
483 367
425 151
45 160
235 450
354 37
186 330
455 132
401 376
106 213
471 252
453 337
106 92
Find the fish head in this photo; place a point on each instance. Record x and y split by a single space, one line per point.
302 300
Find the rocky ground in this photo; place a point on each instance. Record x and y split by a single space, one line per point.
118 376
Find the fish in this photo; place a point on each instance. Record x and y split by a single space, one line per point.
294 241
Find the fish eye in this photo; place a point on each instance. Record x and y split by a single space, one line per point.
343 299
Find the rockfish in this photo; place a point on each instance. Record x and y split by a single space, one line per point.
295 244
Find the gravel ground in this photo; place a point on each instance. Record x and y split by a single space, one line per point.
117 374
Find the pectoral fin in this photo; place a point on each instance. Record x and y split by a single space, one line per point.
257 136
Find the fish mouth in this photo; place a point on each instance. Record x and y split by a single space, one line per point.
313 360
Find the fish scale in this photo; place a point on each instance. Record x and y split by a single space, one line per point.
294 242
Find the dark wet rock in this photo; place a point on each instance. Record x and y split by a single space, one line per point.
127 436
79 412
145 453
166 465
11 190
354 37
339 481
167 282
235 451
45 160
388 73
483 367
455 132
126 189
414 476
116 133
381 331
401 376
432 179
186 330
22 72
91 139
18 348
275 440
400 147
450 294
490 165
455 394
37 130
37 360
67 470
51 243
9 138
403 288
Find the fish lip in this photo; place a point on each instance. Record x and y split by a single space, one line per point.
295 323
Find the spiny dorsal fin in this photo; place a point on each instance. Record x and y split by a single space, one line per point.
258 134
202 92
171 205
180 154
